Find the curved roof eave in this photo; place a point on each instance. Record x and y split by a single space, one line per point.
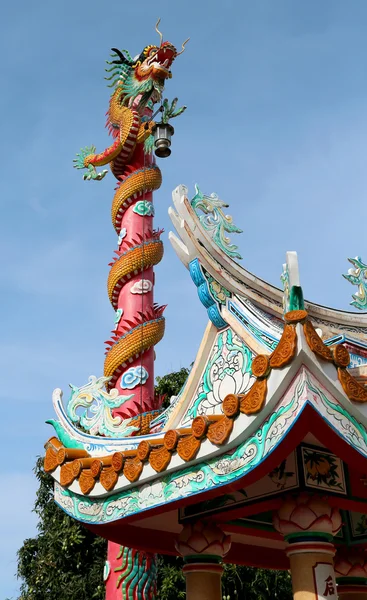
306 381
194 242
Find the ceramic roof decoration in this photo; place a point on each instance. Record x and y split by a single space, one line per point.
358 276
259 376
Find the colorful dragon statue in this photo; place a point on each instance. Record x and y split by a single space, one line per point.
138 85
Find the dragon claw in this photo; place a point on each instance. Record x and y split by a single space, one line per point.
169 110
93 174
79 163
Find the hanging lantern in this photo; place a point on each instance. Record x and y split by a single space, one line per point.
162 139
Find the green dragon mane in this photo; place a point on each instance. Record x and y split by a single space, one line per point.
121 74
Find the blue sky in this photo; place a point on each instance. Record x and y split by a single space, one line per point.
276 125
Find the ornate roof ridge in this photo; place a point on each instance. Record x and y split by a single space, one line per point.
194 242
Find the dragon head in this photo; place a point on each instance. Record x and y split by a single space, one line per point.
140 80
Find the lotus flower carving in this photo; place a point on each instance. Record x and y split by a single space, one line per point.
203 539
307 513
228 372
350 565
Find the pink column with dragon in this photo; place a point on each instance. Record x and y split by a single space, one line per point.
139 323
133 298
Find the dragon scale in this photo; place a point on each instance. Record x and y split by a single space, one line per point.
131 279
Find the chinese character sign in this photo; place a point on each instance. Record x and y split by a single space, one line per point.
324 578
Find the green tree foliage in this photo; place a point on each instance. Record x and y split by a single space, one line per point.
171 580
238 582
170 385
247 583
65 561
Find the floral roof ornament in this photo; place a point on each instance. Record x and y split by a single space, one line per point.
228 371
358 276
215 222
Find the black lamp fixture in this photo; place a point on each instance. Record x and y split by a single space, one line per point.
162 133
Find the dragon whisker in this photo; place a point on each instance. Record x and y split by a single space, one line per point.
113 83
111 77
157 30
113 68
183 47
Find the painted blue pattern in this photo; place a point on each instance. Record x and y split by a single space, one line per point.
205 295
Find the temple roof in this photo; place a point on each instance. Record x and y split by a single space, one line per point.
273 373
301 372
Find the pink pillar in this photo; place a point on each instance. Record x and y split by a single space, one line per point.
137 296
131 574
134 294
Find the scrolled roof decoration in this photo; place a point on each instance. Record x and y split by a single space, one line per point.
353 389
286 349
186 442
219 469
96 416
358 276
262 365
215 222
78 464
339 355
315 342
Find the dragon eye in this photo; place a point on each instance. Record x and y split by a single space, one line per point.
152 50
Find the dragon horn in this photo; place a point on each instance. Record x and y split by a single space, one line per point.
123 60
157 30
183 47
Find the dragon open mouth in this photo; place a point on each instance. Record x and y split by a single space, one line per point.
162 60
